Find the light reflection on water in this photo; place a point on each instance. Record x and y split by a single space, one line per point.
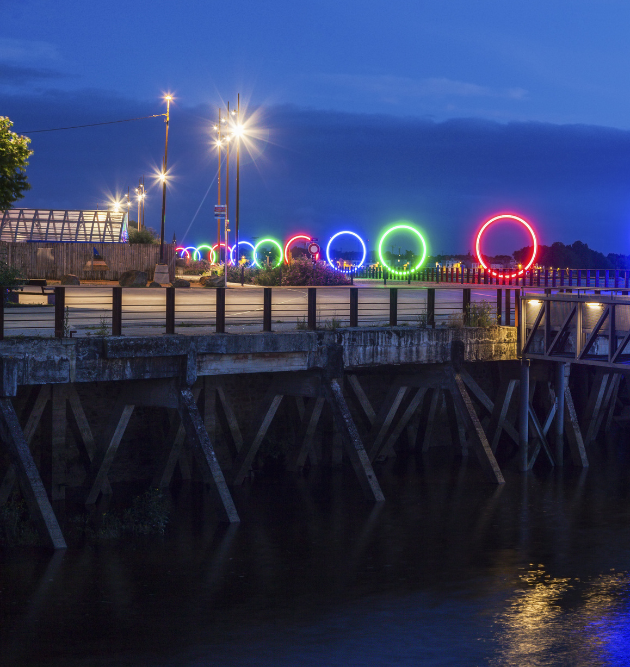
449 571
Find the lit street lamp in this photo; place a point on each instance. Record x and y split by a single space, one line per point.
161 270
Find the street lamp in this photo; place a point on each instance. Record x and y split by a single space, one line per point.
161 270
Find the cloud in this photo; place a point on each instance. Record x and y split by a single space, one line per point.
395 88
27 51
17 75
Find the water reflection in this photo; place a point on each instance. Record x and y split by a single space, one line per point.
449 571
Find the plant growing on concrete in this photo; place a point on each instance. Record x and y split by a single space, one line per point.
14 154
482 314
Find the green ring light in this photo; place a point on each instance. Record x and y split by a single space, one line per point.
410 229
277 246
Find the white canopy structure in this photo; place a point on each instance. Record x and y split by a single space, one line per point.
27 224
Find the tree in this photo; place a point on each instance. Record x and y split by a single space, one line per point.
145 235
14 154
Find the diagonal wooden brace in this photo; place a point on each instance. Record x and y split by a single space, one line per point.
204 452
28 475
352 440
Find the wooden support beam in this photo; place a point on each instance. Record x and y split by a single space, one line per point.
352 440
541 440
385 417
58 443
456 427
483 398
104 457
245 457
573 432
84 429
204 453
34 418
435 396
480 443
28 476
595 405
364 402
230 418
499 412
313 411
401 424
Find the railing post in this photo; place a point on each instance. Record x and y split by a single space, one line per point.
220 310
393 306
606 276
596 277
612 332
431 307
546 277
354 306
508 308
60 308
579 278
170 310
486 275
537 277
561 277
384 276
466 305
266 308
3 296
616 278
311 310
499 307
116 311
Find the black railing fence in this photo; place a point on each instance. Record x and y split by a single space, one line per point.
99 311
594 278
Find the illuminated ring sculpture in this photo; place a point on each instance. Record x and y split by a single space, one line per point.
191 254
274 243
234 248
197 255
290 241
507 216
362 245
409 228
228 254
181 250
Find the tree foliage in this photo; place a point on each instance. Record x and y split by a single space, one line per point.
576 256
14 154
144 235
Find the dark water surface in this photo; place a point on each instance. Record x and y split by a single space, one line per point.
449 571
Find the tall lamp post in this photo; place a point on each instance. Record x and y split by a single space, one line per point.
161 270
238 170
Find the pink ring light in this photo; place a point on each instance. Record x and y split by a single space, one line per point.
229 251
506 216
290 241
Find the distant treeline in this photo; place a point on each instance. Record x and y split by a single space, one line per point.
576 256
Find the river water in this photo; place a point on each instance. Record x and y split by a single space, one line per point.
449 571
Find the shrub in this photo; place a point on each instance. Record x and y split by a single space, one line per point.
145 235
482 314
197 267
10 279
302 272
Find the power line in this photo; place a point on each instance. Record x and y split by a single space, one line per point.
111 122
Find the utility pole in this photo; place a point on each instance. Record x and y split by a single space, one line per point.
161 270
219 187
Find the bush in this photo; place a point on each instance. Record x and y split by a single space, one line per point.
197 267
482 314
146 236
10 279
301 272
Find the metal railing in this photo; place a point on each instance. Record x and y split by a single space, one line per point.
585 328
97 311
544 278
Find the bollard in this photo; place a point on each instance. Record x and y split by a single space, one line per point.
311 309
220 310
116 311
431 307
354 306
60 307
170 310
266 308
393 306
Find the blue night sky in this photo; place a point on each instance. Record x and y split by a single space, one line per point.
442 113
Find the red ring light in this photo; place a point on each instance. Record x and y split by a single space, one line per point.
507 216
290 241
